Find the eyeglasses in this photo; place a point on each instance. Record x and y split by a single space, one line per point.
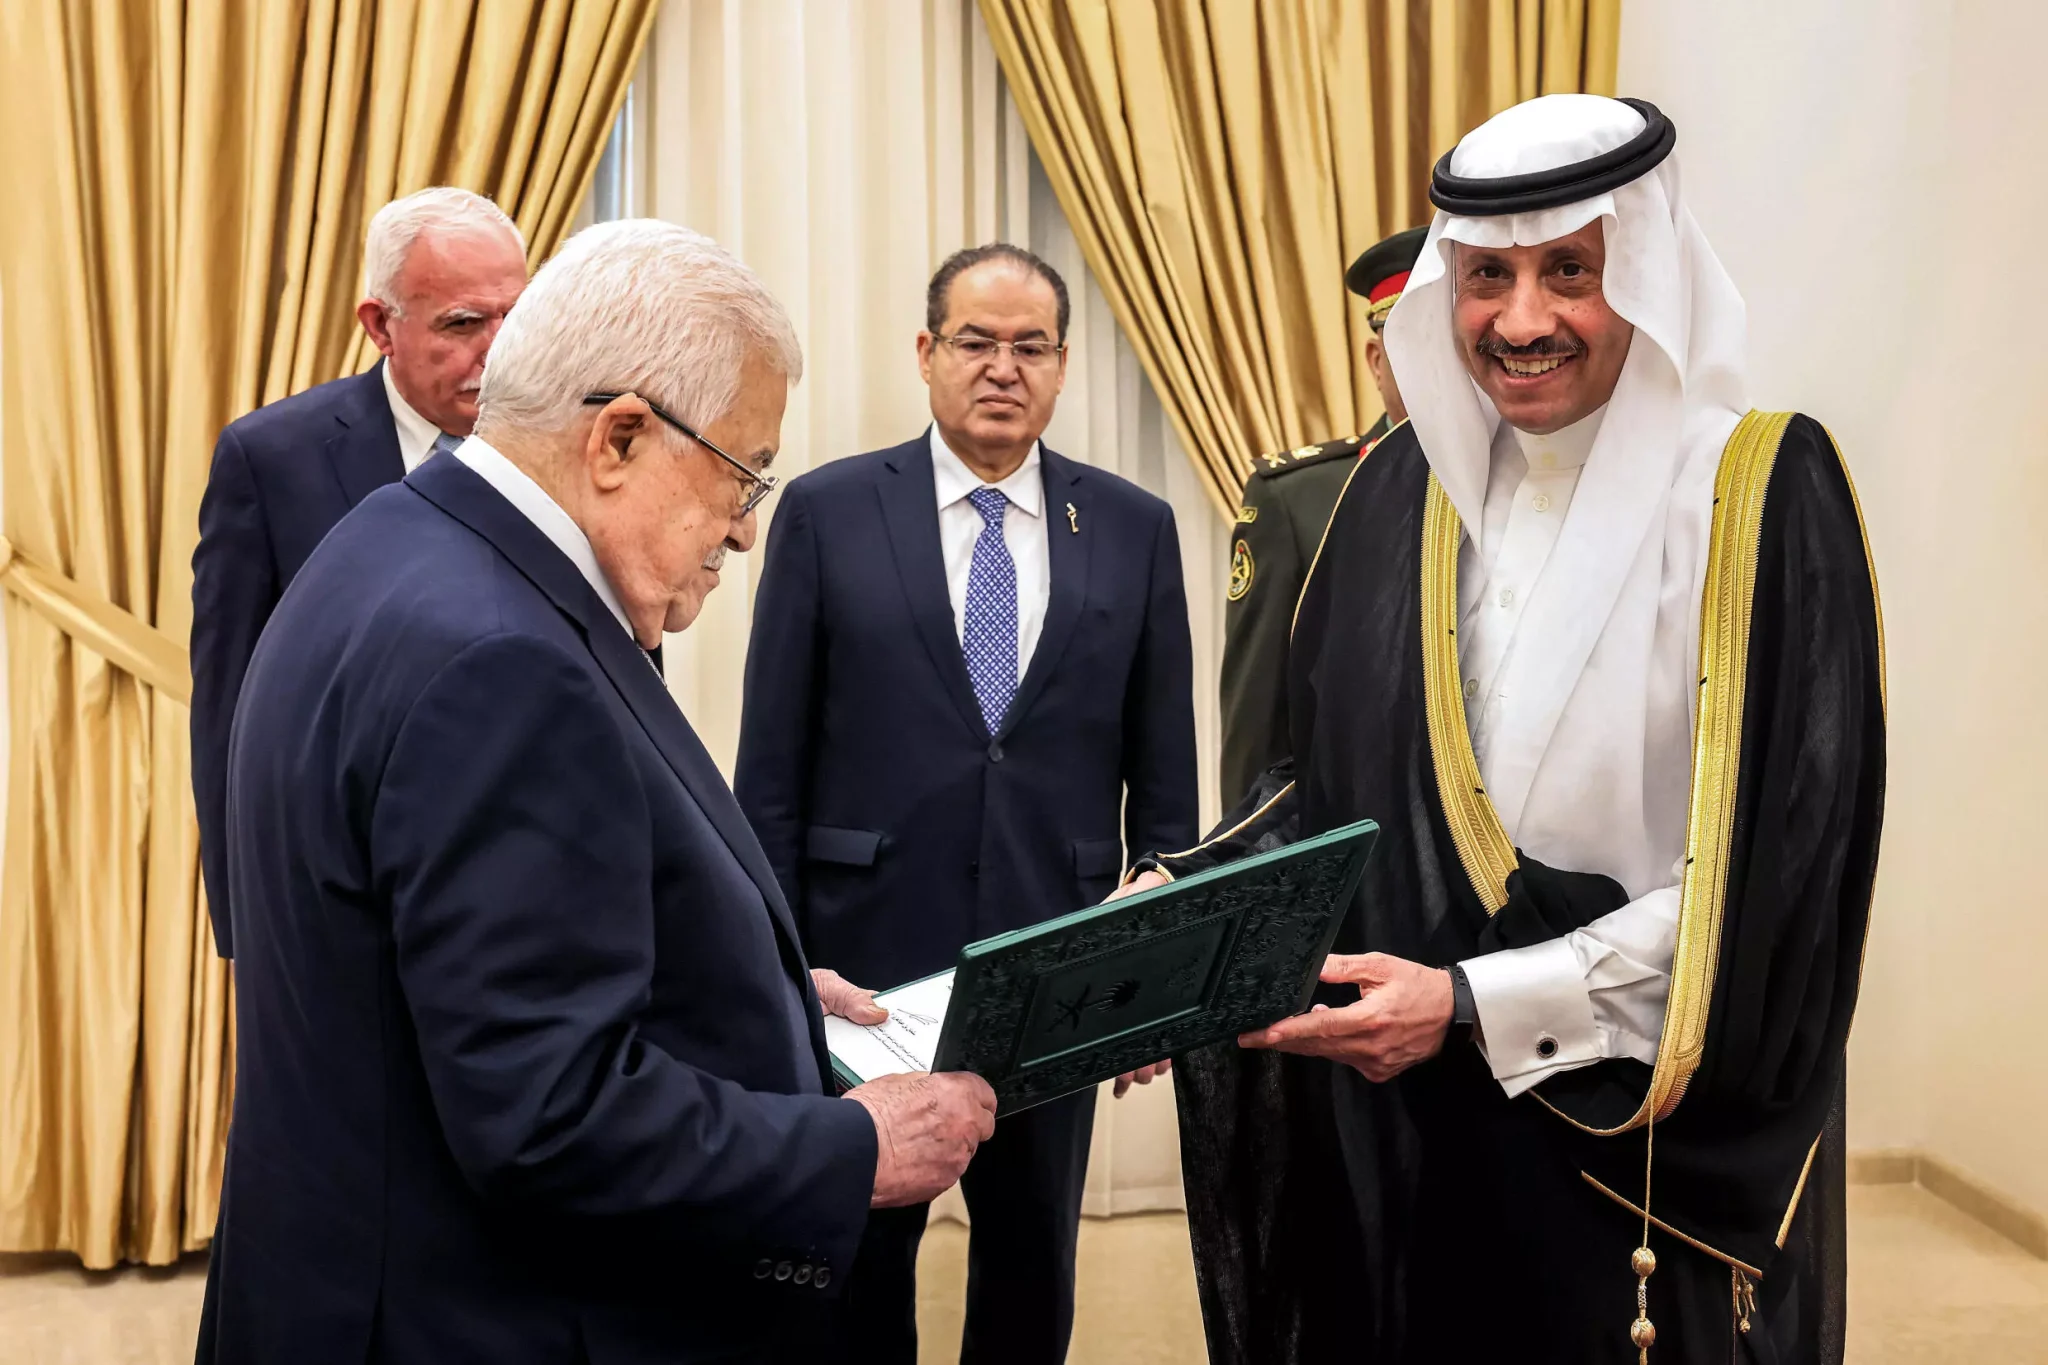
758 485
977 349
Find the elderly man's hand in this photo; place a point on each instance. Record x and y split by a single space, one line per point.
837 995
1403 1012
926 1129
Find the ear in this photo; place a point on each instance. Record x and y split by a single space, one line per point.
926 344
610 447
376 320
1061 386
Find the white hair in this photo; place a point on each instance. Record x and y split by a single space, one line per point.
633 306
401 222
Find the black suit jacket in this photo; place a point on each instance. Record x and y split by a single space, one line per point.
899 828
528 1060
282 477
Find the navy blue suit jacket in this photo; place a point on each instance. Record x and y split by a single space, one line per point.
529 1063
282 476
899 827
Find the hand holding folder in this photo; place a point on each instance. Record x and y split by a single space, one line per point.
1045 1011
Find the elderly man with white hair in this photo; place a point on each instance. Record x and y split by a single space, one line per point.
531 1065
1599 648
442 267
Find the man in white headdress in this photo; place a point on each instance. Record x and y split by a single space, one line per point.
1600 650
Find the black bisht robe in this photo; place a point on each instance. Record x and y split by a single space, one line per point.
1432 1219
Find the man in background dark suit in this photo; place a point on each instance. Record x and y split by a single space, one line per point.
969 690
530 1062
441 268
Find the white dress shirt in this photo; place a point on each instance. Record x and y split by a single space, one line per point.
545 513
1024 532
1600 991
415 433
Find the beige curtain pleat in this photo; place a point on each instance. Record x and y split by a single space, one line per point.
183 243
1222 162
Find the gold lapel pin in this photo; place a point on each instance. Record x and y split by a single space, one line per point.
1073 519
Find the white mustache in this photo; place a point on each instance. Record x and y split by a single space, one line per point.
715 560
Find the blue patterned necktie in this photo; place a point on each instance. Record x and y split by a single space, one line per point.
444 444
988 635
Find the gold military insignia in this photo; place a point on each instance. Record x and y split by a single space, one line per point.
1304 452
1240 570
1276 461
1247 515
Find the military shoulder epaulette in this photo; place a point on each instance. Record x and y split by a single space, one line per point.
1285 461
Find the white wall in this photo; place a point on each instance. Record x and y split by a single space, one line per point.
1871 173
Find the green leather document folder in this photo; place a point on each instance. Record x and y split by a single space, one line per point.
1064 1005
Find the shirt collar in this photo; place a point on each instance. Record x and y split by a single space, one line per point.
517 487
415 433
1024 488
1566 448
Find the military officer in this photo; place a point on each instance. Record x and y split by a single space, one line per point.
1287 503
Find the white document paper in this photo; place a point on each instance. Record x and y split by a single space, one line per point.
906 1041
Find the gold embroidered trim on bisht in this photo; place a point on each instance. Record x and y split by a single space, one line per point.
1317 558
1264 806
1733 544
1876 600
1481 840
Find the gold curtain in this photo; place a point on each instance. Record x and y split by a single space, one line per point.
189 185
1222 161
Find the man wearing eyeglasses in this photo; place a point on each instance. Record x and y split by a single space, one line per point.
969 690
531 1062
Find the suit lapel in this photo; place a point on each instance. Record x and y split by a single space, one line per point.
910 509
1068 542
460 492
638 681
364 453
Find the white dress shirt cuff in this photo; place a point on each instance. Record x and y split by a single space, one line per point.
1535 1016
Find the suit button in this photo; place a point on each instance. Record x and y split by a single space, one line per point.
763 1269
974 868
822 1278
995 753
784 1271
803 1274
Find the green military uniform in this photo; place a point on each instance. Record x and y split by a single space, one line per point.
1287 503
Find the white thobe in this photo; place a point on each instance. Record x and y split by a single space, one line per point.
1599 991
